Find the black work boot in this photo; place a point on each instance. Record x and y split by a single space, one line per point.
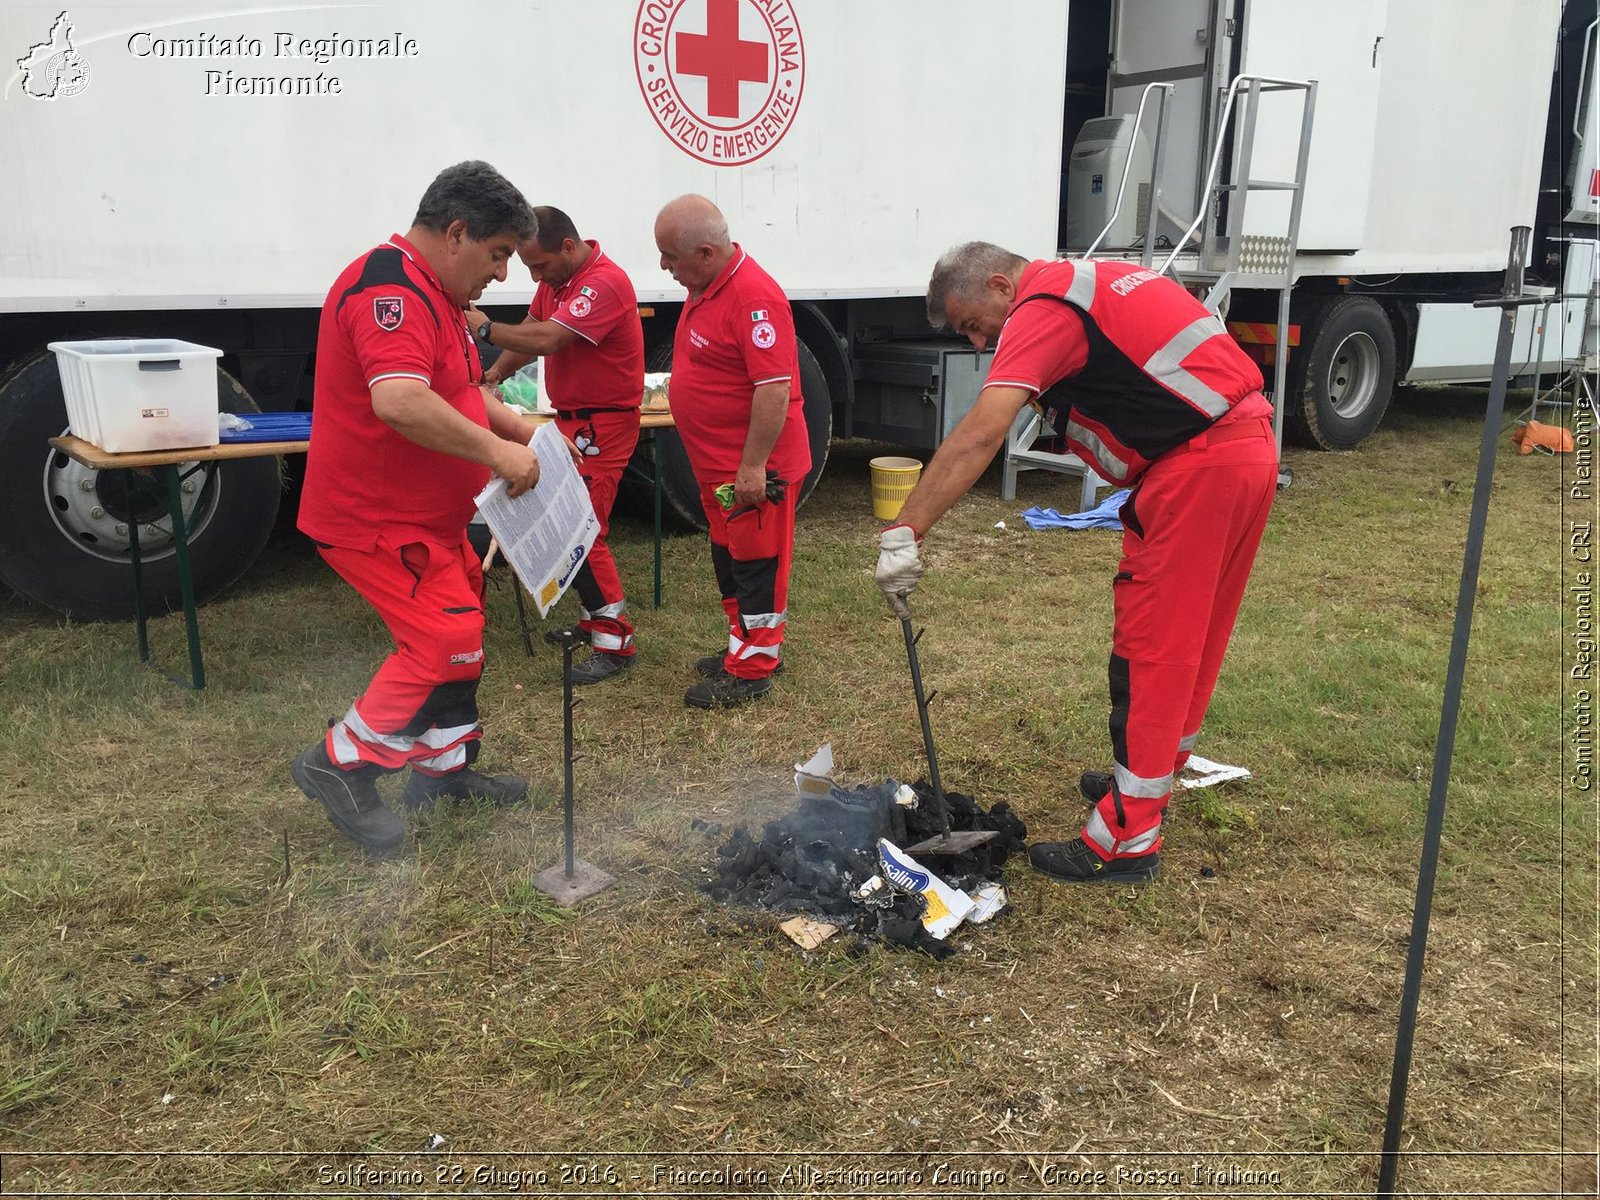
1076 862
1094 785
350 798
711 666
424 791
600 666
725 691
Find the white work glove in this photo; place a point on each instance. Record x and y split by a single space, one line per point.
899 566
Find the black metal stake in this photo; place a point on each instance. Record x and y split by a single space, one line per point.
522 614
1444 749
923 700
567 705
573 879
945 842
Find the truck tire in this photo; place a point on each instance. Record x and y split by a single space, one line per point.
680 494
1342 376
62 546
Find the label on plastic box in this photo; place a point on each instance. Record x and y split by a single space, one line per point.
155 412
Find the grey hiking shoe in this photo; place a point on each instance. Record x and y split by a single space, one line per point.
600 666
1094 785
350 799
424 791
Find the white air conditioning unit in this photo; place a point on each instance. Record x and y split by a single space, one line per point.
1093 174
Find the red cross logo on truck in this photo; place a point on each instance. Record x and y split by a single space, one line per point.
725 59
722 78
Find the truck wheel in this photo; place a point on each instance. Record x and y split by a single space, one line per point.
66 541
680 494
1342 376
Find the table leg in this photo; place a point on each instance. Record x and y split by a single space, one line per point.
180 544
139 619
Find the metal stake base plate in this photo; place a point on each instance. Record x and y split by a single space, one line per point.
587 879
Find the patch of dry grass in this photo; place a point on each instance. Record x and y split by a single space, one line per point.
164 986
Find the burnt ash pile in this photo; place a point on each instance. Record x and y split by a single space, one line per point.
813 859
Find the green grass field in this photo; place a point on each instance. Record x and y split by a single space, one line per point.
164 986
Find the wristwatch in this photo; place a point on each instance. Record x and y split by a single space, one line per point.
483 330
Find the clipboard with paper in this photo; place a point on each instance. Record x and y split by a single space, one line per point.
547 532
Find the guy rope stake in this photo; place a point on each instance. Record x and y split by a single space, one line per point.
1508 302
575 879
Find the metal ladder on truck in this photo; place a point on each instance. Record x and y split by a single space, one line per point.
1227 257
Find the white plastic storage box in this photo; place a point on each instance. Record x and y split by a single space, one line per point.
147 394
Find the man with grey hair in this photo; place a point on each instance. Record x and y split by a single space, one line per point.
403 437
737 406
1148 388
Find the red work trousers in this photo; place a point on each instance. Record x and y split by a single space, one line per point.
752 547
421 708
605 439
1192 526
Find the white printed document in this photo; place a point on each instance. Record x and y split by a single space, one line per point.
546 532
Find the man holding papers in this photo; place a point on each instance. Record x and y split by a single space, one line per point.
402 441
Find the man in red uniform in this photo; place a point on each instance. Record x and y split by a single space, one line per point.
737 407
402 440
1146 386
584 320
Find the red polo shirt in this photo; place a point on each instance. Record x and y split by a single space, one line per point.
733 337
387 316
604 368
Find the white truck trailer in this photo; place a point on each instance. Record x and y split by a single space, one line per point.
181 170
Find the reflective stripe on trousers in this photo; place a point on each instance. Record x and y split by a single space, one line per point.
609 439
752 548
421 707
1193 524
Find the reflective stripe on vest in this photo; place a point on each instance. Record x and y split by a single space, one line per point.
1165 366
1081 293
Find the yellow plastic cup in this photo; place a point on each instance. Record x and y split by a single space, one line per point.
892 481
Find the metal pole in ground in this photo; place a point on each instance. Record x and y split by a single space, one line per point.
573 879
1510 299
567 705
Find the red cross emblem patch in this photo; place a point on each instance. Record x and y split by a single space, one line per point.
388 312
